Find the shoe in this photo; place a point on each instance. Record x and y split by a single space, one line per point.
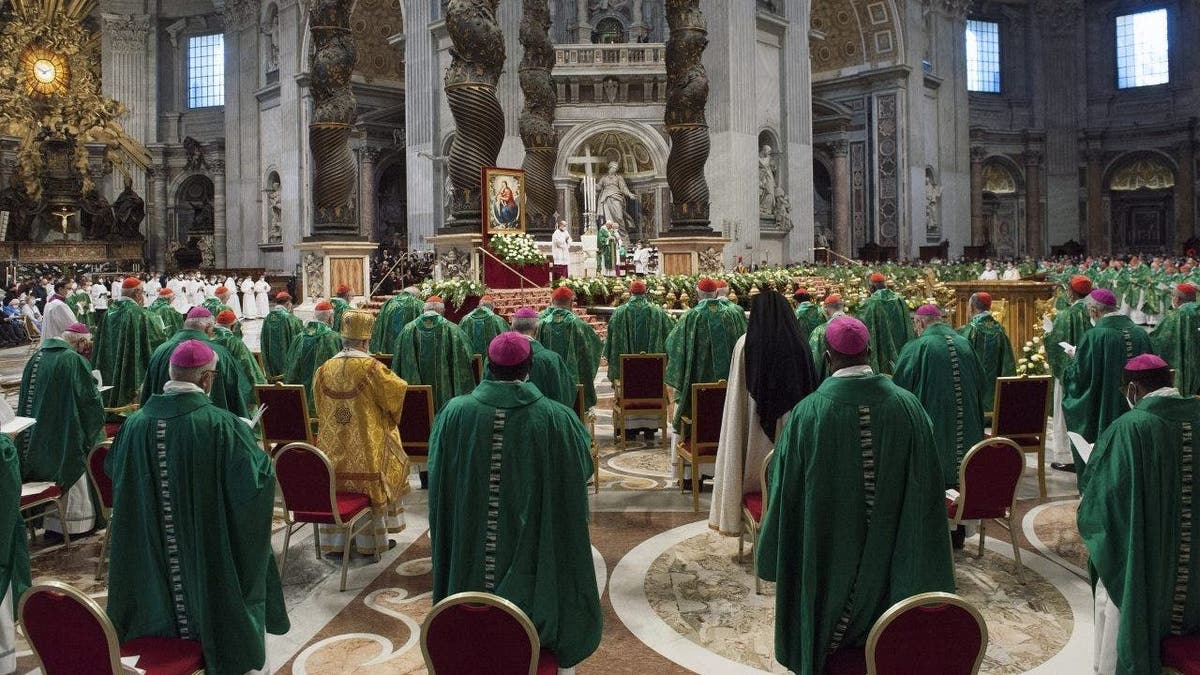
631 434
957 537
51 537
648 434
687 483
1059 466
424 476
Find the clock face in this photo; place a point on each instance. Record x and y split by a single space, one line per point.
47 72
44 71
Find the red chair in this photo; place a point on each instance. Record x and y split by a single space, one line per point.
416 422
310 497
927 633
588 418
385 359
116 417
287 418
49 494
1181 655
502 639
987 481
70 635
104 489
1020 416
641 390
754 505
697 444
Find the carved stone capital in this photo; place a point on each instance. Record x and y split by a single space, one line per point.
1032 157
127 32
955 9
241 14
369 154
978 153
838 149
217 167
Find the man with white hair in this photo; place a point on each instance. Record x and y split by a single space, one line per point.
233 392
833 306
315 345
191 551
400 310
58 390
433 350
58 314
125 340
279 328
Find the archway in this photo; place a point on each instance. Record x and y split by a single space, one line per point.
1003 207
391 204
822 204
1141 193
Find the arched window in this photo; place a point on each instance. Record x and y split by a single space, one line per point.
609 31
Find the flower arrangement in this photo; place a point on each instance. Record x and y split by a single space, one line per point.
1033 358
453 291
517 249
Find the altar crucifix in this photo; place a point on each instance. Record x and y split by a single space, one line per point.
589 163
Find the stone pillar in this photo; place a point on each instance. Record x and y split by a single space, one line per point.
978 235
511 85
424 178
537 117
1097 243
477 57
367 201
128 76
334 111
796 114
583 29
637 22
240 151
219 227
1058 85
1185 193
687 95
840 151
1035 238
156 227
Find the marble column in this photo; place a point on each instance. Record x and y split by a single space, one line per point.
240 153
127 75
687 96
219 222
1058 84
978 235
1097 243
510 86
367 199
583 28
156 228
1185 193
538 134
335 109
1035 244
423 177
796 112
840 151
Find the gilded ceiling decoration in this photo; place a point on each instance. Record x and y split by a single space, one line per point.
373 22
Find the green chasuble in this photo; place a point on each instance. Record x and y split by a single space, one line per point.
241 353
315 345
481 325
816 343
635 327
58 390
699 348
552 375
604 249
809 316
172 320
886 317
14 542
1092 396
856 517
278 330
561 331
1177 341
1069 326
433 350
230 391
129 336
942 370
394 315
191 551
339 308
1139 496
81 306
215 305
531 545
991 345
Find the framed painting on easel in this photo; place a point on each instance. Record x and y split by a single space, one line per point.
503 201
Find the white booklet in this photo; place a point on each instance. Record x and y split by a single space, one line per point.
1081 446
1068 348
258 413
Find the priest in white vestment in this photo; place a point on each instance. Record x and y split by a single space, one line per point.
262 293
58 314
770 371
249 304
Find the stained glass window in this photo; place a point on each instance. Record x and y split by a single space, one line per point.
983 56
206 70
1142 49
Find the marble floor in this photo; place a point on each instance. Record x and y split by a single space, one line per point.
674 596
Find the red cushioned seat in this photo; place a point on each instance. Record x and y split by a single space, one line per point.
111 428
349 504
847 661
753 504
547 663
52 492
165 656
1182 652
704 451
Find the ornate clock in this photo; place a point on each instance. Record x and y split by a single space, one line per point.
46 72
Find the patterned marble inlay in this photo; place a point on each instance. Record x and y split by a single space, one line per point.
1055 526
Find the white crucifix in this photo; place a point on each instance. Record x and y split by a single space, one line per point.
589 164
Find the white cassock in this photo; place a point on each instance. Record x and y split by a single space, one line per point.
180 302
560 247
1012 274
989 275
81 516
262 300
1107 620
641 260
249 304
116 289
741 450
55 320
152 287
198 294
8 634
234 302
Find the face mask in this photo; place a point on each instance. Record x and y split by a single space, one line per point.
1129 399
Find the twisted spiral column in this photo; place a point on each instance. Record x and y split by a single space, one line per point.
687 94
335 174
537 117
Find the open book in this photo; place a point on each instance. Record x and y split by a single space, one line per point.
1081 446
1068 348
258 413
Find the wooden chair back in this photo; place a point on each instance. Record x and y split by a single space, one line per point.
416 420
286 419
708 408
642 379
502 638
940 631
1020 407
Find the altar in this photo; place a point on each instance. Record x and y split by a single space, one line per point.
20 258
1017 305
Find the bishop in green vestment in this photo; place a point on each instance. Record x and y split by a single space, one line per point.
561 331
482 324
219 301
124 343
832 307
941 369
552 375
635 327
433 350
399 311
1070 323
1093 399
991 345
856 516
232 391
606 246
14 552
1177 339
237 348
341 303
885 314
315 345
58 390
279 328
808 313
163 309
508 510
1136 520
191 551
700 346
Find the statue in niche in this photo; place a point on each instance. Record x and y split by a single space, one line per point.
933 195
23 212
607 5
274 213
96 216
202 216
767 186
612 196
195 155
783 212
129 211
271 31
610 89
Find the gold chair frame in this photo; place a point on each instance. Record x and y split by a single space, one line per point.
922 600
1012 507
1040 447
619 400
352 528
478 598
750 526
268 443
588 418
423 457
32 332
693 456
104 510
60 503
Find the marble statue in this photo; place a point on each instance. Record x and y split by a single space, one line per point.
274 214
766 182
96 216
129 211
612 197
933 195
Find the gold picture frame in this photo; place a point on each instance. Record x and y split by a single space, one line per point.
503 196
